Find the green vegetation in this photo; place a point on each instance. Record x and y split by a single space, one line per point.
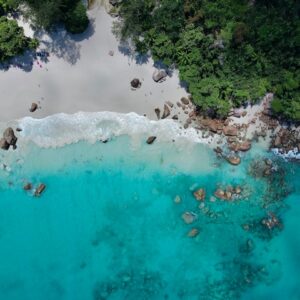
12 39
227 51
48 13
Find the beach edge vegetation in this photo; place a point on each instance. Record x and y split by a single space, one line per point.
228 52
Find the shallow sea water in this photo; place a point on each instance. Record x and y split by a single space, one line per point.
107 226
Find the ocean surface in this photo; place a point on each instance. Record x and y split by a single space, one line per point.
109 224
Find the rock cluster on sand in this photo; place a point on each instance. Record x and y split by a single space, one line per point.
229 193
8 139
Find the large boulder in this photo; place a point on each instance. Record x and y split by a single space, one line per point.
159 75
9 139
4 145
166 112
230 131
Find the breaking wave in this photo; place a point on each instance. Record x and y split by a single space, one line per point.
63 129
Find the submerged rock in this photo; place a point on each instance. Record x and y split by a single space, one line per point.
151 139
189 217
193 233
4 145
177 199
40 189
27 187
199 194
234 160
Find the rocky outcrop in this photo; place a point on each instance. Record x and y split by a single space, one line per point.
135 83
33 107
150 140
286 140
166 112
8 139
244 146
230 131
159 75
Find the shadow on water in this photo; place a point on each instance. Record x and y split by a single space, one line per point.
57 42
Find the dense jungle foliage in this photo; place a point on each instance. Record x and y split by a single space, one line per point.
228 52
45 14
12 39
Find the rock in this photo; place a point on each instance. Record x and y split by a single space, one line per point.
189 217
277 141
18 129
185 101
4 145
170 104
219 193
33 107
115 2
27 187
271 221
135 83
177 199
230 130
9 136
237 190
159 75
234 160
151 139
218 150
157 112
111 53
245 146
40 189
175 117
166 112
199 194
193 233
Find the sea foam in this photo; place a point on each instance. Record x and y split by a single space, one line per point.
63 129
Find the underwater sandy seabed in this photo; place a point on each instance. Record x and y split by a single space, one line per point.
107 226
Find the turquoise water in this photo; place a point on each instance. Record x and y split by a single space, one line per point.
107 226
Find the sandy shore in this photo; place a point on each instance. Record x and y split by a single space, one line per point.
81 76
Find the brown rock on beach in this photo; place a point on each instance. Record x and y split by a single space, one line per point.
33 107
166 112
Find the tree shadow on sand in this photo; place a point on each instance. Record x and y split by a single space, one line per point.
64 45
57 42
127 50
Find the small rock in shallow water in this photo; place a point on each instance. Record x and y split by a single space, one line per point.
199 194
189 217
27 187
40 189
151 139
193 232
177 199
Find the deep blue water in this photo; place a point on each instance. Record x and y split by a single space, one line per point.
107 226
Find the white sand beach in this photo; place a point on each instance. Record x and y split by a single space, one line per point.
81 76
